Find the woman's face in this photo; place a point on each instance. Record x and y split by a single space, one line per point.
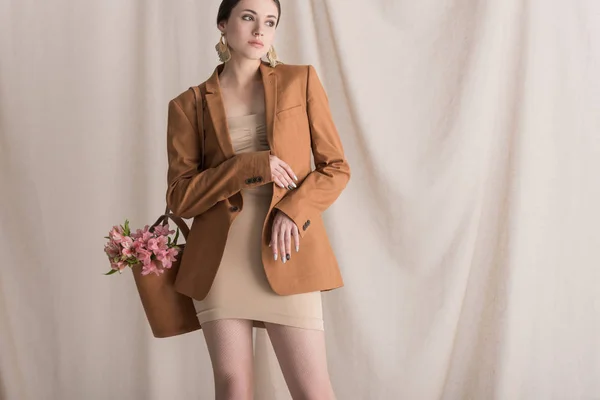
247 18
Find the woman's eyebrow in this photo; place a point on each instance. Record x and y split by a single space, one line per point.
254 12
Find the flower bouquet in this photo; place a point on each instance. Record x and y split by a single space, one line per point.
153 250
154 258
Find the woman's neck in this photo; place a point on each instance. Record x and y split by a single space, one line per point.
238 74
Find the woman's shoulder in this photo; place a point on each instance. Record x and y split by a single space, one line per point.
187 96
186 101
293 70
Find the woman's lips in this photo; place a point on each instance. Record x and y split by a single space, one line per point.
256 43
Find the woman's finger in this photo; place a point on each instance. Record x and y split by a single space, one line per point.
296 237
274 243
289 170
282 183
286 178
278 179
288 242
281 239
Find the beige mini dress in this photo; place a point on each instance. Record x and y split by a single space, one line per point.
240 289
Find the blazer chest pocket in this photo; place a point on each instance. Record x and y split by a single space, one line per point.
295 111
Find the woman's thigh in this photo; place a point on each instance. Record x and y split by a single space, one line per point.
302 356
229 343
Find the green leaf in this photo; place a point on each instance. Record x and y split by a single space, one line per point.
112 271
176 236
126 230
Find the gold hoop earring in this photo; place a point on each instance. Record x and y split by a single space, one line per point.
223 49
272 57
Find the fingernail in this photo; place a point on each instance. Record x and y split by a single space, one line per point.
294 185
269 244
275 257
283 259
290 187
281 185
297 249
287 256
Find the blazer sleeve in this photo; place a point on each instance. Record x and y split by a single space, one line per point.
191 192
331 174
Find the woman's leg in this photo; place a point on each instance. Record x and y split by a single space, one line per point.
301 355
229 344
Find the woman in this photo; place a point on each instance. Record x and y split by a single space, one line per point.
255 199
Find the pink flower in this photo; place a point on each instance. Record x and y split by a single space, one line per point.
120 265
144 256
127 244
160 254
142 234
147 236
116 234
138 244
157 244
162 230
167 257
153 267
112 249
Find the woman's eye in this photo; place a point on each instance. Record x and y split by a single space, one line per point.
271 23
247 17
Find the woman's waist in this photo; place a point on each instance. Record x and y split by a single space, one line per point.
259 191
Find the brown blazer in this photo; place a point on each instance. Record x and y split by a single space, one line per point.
298 122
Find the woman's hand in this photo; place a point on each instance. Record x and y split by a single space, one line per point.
284 229
281 173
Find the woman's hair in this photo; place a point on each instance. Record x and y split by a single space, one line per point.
228 5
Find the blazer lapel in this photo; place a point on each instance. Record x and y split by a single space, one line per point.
216 108
269 79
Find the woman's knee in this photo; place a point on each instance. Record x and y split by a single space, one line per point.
317 389
231 384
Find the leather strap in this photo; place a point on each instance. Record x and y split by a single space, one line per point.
178 221
199 92
199 96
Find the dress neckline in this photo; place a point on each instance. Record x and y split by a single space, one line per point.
247 116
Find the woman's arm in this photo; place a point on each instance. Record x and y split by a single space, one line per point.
190 192
323 185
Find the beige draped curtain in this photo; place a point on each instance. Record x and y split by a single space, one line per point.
468 236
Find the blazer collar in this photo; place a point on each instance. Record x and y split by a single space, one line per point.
216 108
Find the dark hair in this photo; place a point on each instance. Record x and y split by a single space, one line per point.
228 5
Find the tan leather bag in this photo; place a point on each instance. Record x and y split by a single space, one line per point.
169 312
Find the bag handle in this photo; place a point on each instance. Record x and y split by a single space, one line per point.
198 94
185 231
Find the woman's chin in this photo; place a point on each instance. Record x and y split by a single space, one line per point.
252 55
255 57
